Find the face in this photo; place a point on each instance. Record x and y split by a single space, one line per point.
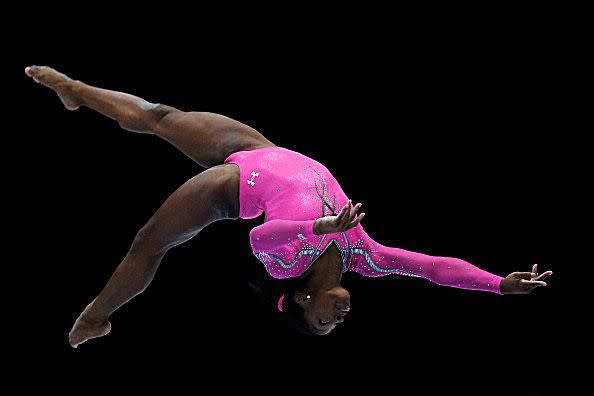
324 310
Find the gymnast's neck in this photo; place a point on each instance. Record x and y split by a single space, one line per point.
326 273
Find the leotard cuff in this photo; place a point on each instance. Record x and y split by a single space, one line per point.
310 228
497 285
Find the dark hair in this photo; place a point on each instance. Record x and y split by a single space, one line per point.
269 291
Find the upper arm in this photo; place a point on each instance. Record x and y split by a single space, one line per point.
210 196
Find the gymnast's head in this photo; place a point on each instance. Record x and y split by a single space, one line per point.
314 312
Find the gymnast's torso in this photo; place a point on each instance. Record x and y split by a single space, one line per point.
287 185
293 190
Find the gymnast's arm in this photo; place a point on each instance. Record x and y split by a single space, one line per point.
274 235
445 271
205 198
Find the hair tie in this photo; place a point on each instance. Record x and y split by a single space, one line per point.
280 302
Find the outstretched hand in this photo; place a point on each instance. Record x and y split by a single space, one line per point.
345 220
523 282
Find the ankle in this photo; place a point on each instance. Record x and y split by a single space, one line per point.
92 314
74 89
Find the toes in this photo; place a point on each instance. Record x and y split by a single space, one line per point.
73 342
32 71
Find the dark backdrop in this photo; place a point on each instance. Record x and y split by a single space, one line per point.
453 125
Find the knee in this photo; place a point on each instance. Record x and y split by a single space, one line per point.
158 111
157 114
144 243
145 118
139 243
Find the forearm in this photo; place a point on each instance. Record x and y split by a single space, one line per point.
454 272
446 271
130 278
131 112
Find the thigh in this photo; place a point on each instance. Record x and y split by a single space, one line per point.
210 196
208 138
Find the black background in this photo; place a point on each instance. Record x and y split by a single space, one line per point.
453 125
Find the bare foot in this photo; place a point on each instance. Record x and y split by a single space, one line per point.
60 83
85 329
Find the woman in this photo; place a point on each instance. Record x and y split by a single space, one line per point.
311 231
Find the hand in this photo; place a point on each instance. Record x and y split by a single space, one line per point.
86 328
523 282
346 219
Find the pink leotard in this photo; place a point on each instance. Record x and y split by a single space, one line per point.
293 191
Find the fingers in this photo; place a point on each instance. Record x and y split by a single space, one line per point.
348 213
357 220
532 282
544 275
347 218
352 219
343 211
524 275
541 276
354 212
533 275
343 220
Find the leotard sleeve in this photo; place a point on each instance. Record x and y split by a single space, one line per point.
374 259
274 235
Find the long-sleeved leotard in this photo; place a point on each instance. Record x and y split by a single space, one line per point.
294 190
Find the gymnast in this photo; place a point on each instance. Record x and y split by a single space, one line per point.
311 231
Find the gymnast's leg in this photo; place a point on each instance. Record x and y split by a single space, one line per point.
207 138
179 219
